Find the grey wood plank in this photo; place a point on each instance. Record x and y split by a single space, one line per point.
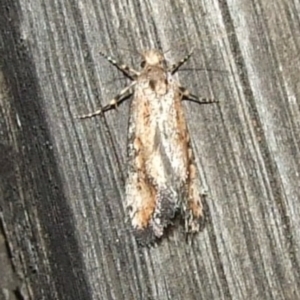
61 188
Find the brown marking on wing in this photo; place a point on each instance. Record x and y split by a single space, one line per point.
195 204
144 213
182 131
145 132
146 113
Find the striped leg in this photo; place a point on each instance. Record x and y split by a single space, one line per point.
129 72
176 66
186 95
125 93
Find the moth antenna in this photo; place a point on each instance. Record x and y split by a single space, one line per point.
130 50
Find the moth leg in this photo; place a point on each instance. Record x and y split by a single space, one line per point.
173 69
125 93
122 67
186 95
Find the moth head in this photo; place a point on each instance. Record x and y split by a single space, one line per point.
153 58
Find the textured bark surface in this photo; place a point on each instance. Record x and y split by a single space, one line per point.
62 216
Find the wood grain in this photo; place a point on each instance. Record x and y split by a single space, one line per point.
61 188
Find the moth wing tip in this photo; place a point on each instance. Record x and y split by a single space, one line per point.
145 237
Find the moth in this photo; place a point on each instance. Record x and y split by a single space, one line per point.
162 179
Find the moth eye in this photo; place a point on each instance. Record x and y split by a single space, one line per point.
143 64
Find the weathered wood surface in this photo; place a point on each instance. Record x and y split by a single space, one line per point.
61 188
